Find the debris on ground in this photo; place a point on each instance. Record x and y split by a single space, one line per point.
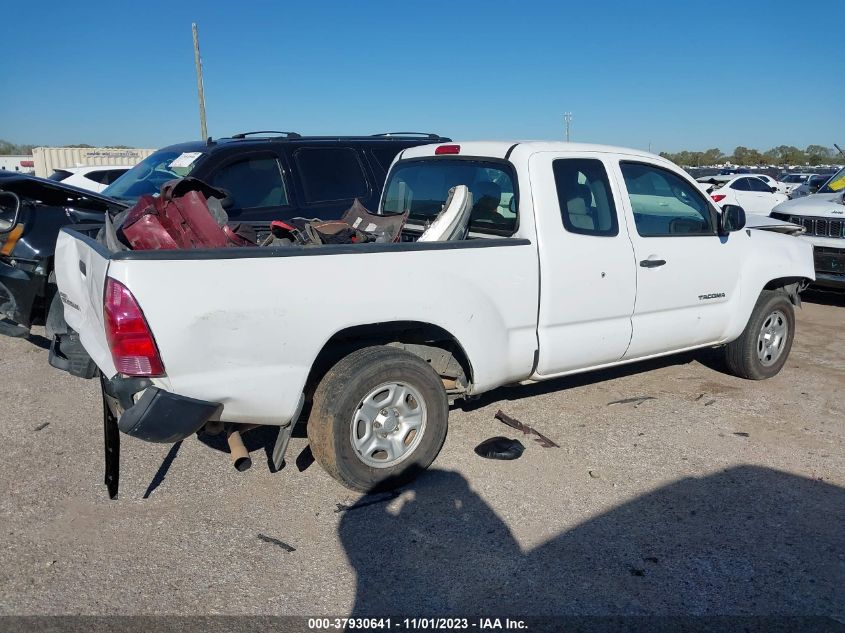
593 474
700 396
709 402
541 439
390 496
635 571
650 559
42 426
275 541
500 448
636 400
741 434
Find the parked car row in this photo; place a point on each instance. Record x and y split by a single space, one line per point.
752 193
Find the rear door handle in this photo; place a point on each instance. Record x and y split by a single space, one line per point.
652 263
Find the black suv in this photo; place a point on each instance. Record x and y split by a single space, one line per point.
267 175
277 175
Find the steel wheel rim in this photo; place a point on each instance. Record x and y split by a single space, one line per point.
388 424
772 338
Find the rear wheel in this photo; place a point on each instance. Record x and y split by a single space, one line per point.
379 418
763 347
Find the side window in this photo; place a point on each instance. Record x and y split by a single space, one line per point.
330 174
755 184
385 155
583 192
741 184
253 183
100 177
665 204
113 174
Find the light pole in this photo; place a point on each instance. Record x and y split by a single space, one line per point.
200 91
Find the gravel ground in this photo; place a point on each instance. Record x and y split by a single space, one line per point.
717 496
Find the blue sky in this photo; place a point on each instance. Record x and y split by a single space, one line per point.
677 75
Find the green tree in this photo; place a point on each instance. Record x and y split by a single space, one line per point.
9 149
818 154
789 155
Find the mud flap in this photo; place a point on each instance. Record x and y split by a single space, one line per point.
111 445
283 438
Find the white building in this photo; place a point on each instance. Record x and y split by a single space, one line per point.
22 164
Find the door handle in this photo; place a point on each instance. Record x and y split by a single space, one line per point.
652 263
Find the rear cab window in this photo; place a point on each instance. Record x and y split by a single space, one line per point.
586 202
421 187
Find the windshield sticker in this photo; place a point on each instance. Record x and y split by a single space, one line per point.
186 159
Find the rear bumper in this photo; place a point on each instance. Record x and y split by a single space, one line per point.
158 415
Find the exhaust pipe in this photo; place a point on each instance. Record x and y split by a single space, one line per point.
240 456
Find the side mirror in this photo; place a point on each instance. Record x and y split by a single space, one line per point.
10 209
731 219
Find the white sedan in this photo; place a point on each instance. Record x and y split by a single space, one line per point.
772 182
93 178
747 191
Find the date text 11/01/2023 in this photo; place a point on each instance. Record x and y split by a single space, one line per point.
415 624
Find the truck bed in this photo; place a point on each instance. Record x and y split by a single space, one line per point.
251 321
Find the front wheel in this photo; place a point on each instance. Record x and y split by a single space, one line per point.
763 347
378 419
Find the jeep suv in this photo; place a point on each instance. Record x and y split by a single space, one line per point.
277 175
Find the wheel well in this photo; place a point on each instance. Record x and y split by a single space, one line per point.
790 285
430 342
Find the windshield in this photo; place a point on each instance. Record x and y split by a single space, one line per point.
421 187
150 174
794 178
836 183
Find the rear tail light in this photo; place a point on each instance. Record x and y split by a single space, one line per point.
448 149
718 197
132 346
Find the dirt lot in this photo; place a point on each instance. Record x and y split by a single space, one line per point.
717 496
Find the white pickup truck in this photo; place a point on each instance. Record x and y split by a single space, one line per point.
577 257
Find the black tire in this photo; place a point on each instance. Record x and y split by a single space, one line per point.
337 399
742 356
55 322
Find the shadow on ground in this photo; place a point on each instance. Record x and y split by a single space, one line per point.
745 541
709 357
824 297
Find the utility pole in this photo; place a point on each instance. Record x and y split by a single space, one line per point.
567 119
200 91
